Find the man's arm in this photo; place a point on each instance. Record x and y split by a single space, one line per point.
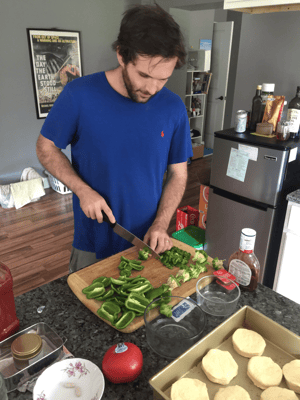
173 191
55 161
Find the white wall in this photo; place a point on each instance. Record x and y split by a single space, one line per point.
98 22
268 53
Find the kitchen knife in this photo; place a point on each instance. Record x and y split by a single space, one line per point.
130 237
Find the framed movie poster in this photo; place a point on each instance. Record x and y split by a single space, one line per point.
55 60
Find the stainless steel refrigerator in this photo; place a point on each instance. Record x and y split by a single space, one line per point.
250 179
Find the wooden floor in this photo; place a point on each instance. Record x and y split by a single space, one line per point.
35 240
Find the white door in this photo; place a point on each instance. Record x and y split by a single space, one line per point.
220 60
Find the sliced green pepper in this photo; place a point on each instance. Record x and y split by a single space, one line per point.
103 279
125 320
118 282
125 272
157 292
137 267
107 295
109 311
136 302
141 288
96 292
91 287
120 300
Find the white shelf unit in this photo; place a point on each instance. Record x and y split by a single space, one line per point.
196 122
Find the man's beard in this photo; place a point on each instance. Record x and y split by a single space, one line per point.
130 90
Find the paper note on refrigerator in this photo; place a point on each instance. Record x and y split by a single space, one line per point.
237 165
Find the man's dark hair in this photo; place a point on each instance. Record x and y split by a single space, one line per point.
149 30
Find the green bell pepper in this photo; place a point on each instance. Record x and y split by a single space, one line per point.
136 302
126 318
118 281
109 311
156 292
107 295
103 279
141 288
91 287
96 292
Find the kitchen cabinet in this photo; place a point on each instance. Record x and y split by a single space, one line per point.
261 6
288 272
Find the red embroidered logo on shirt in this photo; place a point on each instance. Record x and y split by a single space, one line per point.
162 134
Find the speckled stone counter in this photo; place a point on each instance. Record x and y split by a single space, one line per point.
89 337
294 196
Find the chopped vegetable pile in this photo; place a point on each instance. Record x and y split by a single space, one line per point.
125 298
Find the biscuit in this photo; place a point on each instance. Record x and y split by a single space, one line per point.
291 372
278 393
232 393
219 366
248 343
264 372
187 388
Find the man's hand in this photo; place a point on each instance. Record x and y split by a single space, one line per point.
158 239
92 204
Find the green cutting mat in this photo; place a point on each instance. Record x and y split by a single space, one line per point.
193 236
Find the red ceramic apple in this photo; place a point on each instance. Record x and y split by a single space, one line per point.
123 362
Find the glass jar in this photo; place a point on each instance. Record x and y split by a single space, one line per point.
26 349
283 130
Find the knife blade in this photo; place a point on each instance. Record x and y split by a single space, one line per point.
130 237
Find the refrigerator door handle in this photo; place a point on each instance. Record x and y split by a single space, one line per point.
270 158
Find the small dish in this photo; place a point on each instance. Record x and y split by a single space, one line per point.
216 297
70 379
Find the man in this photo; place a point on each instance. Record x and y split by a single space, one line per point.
126 130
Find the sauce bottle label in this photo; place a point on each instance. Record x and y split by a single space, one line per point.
241 271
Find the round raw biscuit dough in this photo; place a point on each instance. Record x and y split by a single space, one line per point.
264 372
187 389
232 393
291 372
219 366
248 343
278 393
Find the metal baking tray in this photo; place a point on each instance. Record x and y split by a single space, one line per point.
52 346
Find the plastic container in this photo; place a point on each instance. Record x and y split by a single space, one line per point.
217 297
56 185
193 236
264 128
169 337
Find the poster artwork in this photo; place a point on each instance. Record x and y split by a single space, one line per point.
55 60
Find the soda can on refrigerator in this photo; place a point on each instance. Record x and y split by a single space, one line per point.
240 121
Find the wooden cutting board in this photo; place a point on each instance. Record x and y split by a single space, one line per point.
154 271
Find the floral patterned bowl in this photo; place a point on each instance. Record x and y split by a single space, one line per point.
72 379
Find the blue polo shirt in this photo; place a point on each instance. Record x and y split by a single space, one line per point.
121 149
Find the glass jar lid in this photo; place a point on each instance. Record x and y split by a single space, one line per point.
26 346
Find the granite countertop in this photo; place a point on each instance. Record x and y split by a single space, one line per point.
89 337
294 196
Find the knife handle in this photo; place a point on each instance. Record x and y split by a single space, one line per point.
106 219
